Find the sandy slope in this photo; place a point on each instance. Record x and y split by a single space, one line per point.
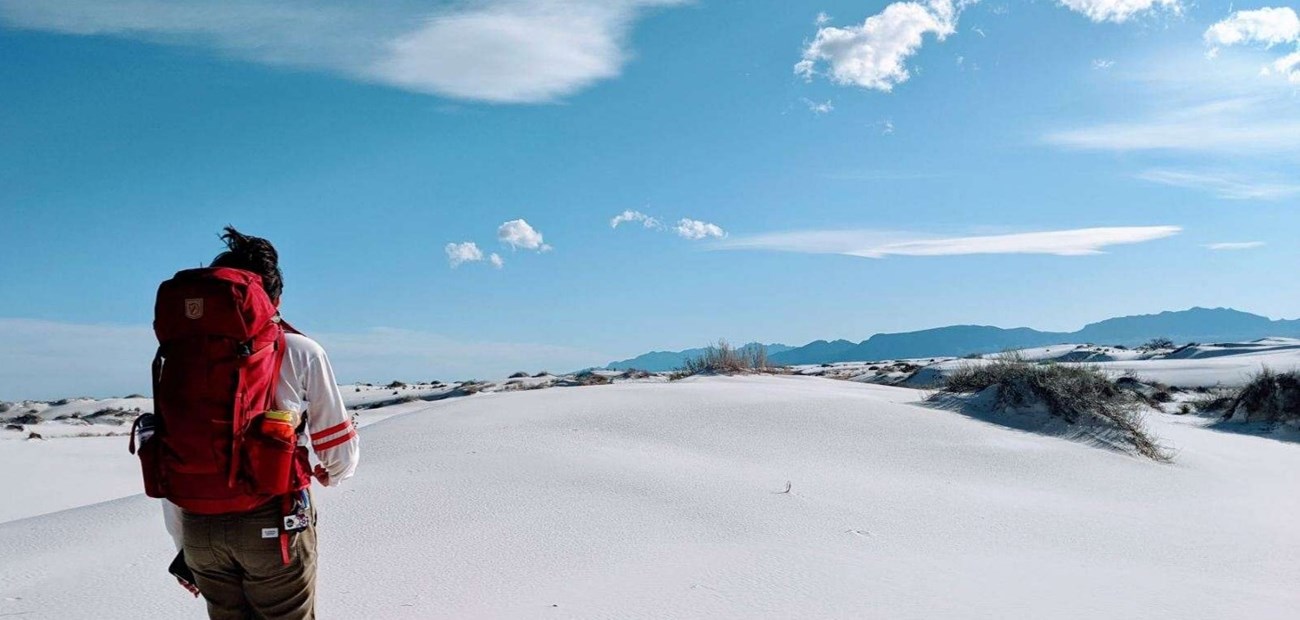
658 501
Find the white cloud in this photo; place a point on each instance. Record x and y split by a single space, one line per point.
1246 245
1102 64
822 19
519 234
1289 66
694 229
874 55
879 244
48 360
635 216
496 260
503 51
1119 11
819 108
1266 26
1243 126
1228 186
461 253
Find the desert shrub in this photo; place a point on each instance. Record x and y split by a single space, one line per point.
27 418
471 387
1079 395
588 377
724 359
4 407
519 375
544 373
1212 401
396 385
1158 343
1269 396
136 396
633 373
107 411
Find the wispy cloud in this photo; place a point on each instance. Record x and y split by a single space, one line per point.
502 51
1120 11
520 235
1241 125
685 228
1223 185
879 244
1236 245
825 107
630 216
1102 64
874 55
47 359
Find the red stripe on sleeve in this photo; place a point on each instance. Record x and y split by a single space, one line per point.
330 431
337 441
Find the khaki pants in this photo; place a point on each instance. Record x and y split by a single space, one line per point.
242 575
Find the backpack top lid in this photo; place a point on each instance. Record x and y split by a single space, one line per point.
212 301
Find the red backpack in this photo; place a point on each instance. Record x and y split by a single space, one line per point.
220 347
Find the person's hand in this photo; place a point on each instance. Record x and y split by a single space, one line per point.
322 476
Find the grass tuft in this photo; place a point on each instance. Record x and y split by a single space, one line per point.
1080 396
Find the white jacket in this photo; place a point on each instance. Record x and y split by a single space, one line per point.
306 385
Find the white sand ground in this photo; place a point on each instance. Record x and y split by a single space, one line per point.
661 501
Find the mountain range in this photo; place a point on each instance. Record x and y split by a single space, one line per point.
1183 326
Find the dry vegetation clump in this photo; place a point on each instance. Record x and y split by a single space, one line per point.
724 359
1157 343
588 377
634 373
1081 396
26 418
1269 396
519 375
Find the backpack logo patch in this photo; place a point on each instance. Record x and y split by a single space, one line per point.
194 308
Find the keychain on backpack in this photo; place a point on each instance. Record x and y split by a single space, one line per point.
299 514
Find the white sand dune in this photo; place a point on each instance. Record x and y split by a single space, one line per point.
662 501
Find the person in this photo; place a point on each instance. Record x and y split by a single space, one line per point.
245 564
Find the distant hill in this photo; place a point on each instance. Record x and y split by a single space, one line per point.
1193 325
664 361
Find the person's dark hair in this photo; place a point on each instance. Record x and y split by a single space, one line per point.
253 254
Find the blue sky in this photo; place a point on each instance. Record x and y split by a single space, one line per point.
813 170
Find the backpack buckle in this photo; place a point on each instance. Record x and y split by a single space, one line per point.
244 349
